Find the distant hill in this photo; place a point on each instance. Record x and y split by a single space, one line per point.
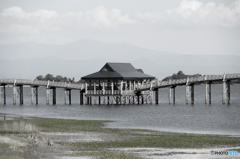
83 57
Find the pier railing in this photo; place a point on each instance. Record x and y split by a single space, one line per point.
48 84
186 81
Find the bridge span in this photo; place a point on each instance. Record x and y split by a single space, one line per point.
120 92
190 82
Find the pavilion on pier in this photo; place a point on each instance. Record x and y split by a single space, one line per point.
116 83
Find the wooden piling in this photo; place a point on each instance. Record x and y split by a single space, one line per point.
65 96
156 96
138 102
54 95
4 94
0 95
21 94
70 97
206 93
170 95
36 92
173 92
32 91
81 98
187 94
47 96
14 95
224 92
192 94
209 92
104 100
228 91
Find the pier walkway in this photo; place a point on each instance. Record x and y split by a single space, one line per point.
120 92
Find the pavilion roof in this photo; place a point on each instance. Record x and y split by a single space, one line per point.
117 71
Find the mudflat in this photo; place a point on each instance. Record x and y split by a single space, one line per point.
24 137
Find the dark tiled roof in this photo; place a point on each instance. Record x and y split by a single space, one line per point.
117 71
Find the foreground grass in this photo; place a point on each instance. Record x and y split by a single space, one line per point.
124 138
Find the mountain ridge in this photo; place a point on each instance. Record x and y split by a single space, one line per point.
87 56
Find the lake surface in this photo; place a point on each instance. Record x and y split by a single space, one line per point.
198 118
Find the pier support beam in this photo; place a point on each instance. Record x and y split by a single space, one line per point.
138 98
47 96
187 94
173 91
14 95
65 96
208 93
228 92
0 95
170 95
54 95
34 93
81 98
224 92
21 94
192 94
70 97
67 92
156 96
4 94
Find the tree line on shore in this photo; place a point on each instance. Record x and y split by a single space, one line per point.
181 75
58 78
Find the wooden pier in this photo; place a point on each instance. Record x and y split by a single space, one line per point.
118 83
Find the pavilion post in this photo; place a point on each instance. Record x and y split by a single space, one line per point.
112 99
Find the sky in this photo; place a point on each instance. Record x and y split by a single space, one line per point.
194 27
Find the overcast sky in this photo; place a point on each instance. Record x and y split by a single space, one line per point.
178 26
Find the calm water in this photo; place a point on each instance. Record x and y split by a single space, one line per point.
198 118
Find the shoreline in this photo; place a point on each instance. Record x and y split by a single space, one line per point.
15 116
90 138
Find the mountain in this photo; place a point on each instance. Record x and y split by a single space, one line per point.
28 60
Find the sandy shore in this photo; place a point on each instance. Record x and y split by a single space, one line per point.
29 137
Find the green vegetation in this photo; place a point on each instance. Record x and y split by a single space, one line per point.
112 140
58 78
181 75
